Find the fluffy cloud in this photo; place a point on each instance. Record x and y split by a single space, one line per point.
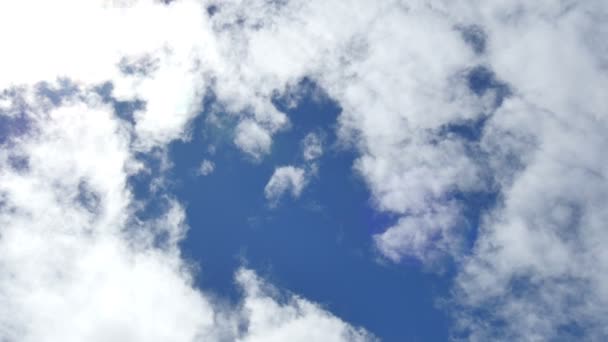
142 59
454 100
77 262
291 179
69 269
252 139
443 100
206 168
395 103
545 149
285 179
297 320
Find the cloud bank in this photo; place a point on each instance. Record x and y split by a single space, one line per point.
443 100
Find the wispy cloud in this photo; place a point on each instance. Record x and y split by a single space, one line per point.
285 180
206 168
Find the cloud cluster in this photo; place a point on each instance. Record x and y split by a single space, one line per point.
443 100
87 88
206 168
78 264
451 101
291 179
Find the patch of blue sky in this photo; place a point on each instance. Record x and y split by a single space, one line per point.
482 79
475 37
123 109
318 246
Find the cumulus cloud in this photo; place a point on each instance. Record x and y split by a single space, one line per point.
285 179
252 139
410 235
452 100
206 168
296 320
291 179
77 262
69 270
395 121
163 65
442 100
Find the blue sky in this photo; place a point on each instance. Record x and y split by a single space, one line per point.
303 170
318 245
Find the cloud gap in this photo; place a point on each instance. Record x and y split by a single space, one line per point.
63 89
481 80
88 198
475 36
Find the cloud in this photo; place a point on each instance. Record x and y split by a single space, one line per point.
77 261
285 179
436 117
312 147
291 179
70 272
206 168
252 139
78 264
447 101
80 45
410 236
394 121
296 320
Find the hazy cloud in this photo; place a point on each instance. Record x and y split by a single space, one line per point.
312 147
206 168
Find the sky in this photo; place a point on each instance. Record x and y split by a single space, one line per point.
263 170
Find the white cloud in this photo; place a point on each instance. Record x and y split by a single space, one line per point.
312 147
285 179
206 168
80 44
295 320
291 179
69 272
410 236
400 74
398 71
253 139
76 264
393 101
